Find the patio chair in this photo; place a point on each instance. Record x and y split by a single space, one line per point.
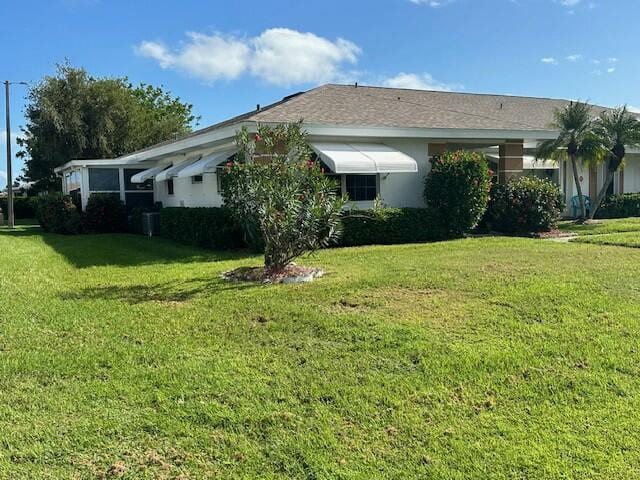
575 204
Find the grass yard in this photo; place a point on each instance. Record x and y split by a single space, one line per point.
600 227
122 356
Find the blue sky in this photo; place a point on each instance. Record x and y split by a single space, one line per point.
225 57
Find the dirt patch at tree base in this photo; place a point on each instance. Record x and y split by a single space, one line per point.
292 273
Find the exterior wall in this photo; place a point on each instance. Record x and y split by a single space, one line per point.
632 174
406 189
187 194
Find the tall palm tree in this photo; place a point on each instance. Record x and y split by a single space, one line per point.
575 140
617 130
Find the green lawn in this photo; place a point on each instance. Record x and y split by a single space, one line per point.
478 358
602 226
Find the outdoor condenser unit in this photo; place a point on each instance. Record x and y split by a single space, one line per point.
150 223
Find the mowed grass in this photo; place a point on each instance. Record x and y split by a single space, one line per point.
627 239
122 356
599 227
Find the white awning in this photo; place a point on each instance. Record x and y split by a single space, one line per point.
529 162
147 174
364 158
206 164
172 171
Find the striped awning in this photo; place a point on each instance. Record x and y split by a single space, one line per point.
366 158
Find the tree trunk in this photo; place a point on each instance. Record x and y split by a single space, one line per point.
602 193
576 179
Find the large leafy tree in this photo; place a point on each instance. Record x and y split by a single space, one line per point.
617 130
277 192
576 140
72 115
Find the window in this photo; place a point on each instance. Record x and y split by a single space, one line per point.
104 180
129 185
138 199
196 179
361 188
170 187
220 172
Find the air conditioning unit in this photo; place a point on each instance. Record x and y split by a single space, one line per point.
151 223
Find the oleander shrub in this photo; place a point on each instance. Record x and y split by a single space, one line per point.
105 213
457 186
23 207
524 205
620 206
213 228
56 213
275 188
388 226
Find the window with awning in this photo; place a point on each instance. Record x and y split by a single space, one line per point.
148 174
364 158
172 172
206 164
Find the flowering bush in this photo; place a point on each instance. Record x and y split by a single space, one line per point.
524 205
458 187
279 195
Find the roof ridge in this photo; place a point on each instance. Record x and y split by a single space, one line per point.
449 92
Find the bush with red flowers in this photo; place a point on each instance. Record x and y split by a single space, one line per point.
458 188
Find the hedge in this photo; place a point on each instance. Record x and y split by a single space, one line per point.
105 213
390 226
56 213
202 227
23 207
524 205
620 206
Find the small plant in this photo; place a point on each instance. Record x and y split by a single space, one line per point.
277 192
458 188
525 205
56 213
105 213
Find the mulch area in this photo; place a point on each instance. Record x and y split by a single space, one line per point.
292 273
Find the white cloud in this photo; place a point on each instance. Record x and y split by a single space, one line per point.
549 60
611 70
569 3
283 57
279 56
432 3
573 58
209 57
416 81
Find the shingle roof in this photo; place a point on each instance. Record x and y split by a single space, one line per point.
392 107
348 105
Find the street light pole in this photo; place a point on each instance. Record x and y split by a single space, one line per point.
10 215
10 218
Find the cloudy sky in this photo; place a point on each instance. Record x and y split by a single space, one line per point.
225 57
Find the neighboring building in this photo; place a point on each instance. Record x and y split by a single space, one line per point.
375 141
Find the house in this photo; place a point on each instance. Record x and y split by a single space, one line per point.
375 141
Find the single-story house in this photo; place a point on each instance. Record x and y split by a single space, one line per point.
376 141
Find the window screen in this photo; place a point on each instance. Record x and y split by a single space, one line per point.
361 188
104 180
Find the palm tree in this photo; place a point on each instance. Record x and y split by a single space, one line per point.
616 129
575 139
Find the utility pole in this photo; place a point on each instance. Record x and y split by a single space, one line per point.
10 218
10 215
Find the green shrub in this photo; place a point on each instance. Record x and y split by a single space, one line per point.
390 226
56 213
212 228
23 207
105 213
524 205
458 188
282 194
620 206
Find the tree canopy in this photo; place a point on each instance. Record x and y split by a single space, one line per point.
73 115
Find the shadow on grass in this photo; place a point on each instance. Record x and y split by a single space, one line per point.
124 249
167 292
